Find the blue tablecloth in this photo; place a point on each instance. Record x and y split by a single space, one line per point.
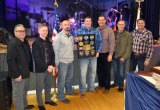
140 94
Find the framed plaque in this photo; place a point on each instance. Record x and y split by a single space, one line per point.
86 46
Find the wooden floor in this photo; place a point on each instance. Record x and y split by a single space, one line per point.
93 101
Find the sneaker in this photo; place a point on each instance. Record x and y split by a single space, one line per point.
66 101
41 107
51 103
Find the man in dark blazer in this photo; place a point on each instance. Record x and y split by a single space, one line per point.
19 60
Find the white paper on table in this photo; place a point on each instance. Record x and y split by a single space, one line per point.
149 78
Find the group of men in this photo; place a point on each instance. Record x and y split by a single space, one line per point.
121 47
19 59
117 46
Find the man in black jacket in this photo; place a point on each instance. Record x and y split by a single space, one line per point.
19 59
44 59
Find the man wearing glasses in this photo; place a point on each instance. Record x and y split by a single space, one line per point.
19 59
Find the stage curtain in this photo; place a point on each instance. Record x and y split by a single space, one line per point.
2 14
141 94
150 12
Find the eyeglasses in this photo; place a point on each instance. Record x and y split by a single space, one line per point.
21 31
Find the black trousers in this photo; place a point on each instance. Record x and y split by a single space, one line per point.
103 70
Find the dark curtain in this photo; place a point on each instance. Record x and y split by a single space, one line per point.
151 11
133 15
2 13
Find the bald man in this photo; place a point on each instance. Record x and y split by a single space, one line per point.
63 47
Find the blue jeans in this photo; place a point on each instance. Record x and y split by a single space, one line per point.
119 71
84 64
65 74
137 60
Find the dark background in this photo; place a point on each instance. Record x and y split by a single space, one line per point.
13 12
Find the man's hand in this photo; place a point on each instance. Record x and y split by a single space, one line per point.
97 55
109 59
121 59
75 46
19 79
146 62
50 68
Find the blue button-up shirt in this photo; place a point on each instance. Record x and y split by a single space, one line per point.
92 30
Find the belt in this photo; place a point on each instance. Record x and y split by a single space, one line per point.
138 53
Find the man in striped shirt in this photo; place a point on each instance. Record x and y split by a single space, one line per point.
142 46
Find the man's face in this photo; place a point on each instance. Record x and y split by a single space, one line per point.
140 24
20 32
43 31
121 25
101 21
88 22
65 25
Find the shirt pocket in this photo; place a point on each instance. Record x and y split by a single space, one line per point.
143 39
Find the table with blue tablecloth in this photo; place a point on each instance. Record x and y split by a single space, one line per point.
140 94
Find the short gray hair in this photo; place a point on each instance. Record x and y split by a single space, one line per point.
18 25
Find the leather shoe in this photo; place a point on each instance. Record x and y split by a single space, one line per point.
51 103
29 107
66 101
99 88
72 94
83 95
93 91
120 89
106 91
41 107
113 86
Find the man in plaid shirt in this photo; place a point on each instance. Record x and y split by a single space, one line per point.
142 46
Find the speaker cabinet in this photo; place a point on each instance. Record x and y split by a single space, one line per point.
5 93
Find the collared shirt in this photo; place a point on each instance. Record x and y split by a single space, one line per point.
108 39
64 48
142 42
92 30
